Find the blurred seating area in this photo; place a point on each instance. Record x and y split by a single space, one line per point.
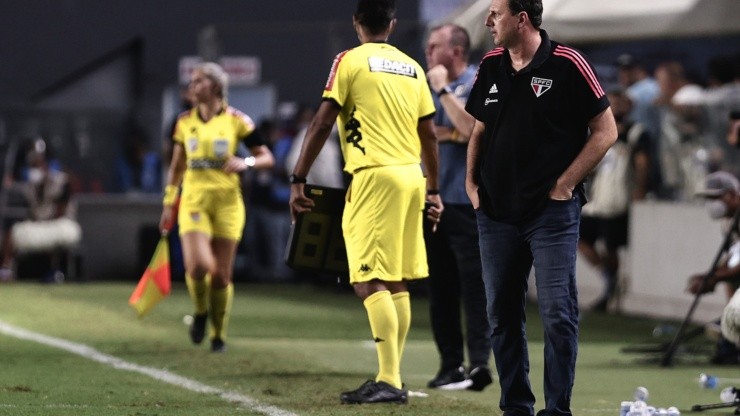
108 116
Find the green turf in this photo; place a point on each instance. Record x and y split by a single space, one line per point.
291 346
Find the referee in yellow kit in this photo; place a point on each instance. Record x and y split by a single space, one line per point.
211 214
385 111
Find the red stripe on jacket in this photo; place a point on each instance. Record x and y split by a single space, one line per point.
575 57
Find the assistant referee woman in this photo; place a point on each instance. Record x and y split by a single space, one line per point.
204 172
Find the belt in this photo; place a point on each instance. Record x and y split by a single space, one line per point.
205 164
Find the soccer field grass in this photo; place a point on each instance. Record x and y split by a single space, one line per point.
292 350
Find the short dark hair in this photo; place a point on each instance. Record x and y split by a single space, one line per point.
375 15
458 36
533 8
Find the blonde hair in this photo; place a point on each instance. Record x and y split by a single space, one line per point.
216 74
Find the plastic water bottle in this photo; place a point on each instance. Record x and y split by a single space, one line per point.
624 408
728 395
638 408
708 381
641 394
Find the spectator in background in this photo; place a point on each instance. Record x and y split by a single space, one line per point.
51 226
15 205
452 252
327 170
268 221
641 89
720 99
722 195
18 171
620 178
138 168
683 159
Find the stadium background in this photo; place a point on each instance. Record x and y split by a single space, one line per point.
86 75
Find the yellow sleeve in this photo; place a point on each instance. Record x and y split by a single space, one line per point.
244 124
337 85
178 133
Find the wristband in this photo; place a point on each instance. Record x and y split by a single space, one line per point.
432 191
443 91
296 179
170 194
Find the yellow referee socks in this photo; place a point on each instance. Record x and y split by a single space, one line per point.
402 300
384 325
221 300
198 290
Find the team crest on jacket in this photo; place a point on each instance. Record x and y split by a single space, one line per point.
540 85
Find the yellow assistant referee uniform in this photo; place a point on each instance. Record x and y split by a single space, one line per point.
211 201
382 94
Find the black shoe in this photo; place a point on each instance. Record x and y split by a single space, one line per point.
365 387
375 392
454 379
198 328
218 345
480 378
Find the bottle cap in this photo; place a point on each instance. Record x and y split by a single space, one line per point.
641 393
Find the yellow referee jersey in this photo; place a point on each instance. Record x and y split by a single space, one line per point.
208 145
382 93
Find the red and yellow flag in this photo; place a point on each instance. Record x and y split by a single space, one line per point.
155 283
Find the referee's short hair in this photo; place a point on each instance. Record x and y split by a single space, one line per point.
375 15
216 74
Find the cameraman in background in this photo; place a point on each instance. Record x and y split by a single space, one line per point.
722 195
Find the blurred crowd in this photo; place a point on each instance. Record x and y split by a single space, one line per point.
688 121
675 129
38 215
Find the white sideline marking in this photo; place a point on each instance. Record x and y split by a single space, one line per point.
160 375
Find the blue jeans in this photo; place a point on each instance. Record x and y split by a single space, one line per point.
507 254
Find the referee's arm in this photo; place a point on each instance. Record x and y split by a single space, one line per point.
429 156
316 135
429 151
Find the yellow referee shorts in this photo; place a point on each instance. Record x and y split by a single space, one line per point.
382 224
214 212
